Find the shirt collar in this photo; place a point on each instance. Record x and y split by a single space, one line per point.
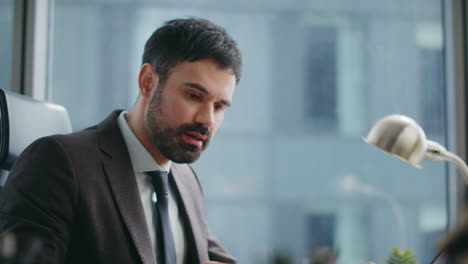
141 159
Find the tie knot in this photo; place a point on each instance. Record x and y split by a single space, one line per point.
159 180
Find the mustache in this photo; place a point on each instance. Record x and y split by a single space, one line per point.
196 128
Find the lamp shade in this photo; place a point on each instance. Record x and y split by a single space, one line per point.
399 136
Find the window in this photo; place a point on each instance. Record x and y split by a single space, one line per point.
432 77
321 78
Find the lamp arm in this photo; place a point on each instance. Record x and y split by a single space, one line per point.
460 164
437 152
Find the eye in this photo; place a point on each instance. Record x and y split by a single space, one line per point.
193 96
219 107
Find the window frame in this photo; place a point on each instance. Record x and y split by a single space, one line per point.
31 48
455 33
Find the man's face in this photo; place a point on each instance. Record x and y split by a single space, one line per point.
187 109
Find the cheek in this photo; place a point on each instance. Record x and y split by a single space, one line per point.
179 112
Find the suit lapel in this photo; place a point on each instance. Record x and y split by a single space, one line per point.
120 174
187 186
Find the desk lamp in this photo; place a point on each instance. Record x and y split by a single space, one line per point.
403 138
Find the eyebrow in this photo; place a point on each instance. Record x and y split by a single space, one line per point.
202 89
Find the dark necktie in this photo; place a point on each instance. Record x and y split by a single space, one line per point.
164 238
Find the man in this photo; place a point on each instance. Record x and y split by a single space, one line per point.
92 196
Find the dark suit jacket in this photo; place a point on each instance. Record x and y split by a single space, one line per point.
77 193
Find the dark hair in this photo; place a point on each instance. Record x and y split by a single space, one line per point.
191 39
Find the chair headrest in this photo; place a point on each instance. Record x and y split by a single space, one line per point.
23 120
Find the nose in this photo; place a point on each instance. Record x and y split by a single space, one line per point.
206 117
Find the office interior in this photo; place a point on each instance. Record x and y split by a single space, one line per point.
288 174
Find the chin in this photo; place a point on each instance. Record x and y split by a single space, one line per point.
186 157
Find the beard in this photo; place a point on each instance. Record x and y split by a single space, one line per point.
168 140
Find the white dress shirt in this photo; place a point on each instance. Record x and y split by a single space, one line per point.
142 161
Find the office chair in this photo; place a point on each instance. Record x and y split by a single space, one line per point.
23 120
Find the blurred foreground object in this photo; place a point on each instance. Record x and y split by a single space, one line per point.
455 244
323 255
7 247
401 257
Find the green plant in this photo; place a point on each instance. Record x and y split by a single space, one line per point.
401 257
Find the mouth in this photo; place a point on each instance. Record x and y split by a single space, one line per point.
194 138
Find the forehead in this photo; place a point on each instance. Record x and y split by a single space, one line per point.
207 73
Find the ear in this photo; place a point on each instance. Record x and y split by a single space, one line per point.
147 80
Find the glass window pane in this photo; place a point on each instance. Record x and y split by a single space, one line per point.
288 175
6 49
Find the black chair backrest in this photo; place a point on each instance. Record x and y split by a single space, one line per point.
23 120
